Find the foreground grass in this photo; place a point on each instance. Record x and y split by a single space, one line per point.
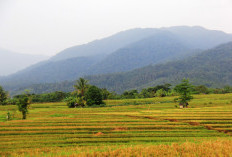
137 126
217 148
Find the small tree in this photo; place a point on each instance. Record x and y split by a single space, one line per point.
185 91
23 104
93 96
8 116
160 93
3 96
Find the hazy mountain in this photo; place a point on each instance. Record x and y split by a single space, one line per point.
106 45
161 47
212 68
11 62
133 49
194 37
198 37
69 69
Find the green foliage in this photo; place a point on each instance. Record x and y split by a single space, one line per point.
202 89
71 101
11 101
74 101
81 86
23 104
172 92
9 116
227 89
211 68
161 93
3 96
146 94
185 91
105 94
80 102
93 96
49 97
130 94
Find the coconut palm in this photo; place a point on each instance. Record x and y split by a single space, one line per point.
81 86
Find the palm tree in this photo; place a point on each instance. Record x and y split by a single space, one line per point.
81 86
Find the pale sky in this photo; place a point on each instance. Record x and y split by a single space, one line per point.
49 26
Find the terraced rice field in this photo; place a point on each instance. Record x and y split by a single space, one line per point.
122 123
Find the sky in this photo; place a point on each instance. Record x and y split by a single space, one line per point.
47 27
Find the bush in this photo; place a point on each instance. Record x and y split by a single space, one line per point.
71 101
160 93
93 96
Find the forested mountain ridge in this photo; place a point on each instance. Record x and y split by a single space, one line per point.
155 49
159 48
212 68
52 72
151 46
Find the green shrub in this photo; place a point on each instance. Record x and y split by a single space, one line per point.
71 101
93 96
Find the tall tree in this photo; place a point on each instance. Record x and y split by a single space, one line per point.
23 104
81 86
185 91
3 96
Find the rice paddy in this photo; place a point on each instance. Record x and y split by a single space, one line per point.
55 129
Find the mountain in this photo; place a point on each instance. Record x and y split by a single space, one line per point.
159 48
133 49
106 45
46 72
155 49
11 62
195 37
212 68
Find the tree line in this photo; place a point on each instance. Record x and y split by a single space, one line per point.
86 95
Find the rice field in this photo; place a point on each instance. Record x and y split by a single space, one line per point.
136 124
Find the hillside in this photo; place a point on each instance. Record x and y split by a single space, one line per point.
141 47
11 62
152 50
52 72
159 48
212 68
